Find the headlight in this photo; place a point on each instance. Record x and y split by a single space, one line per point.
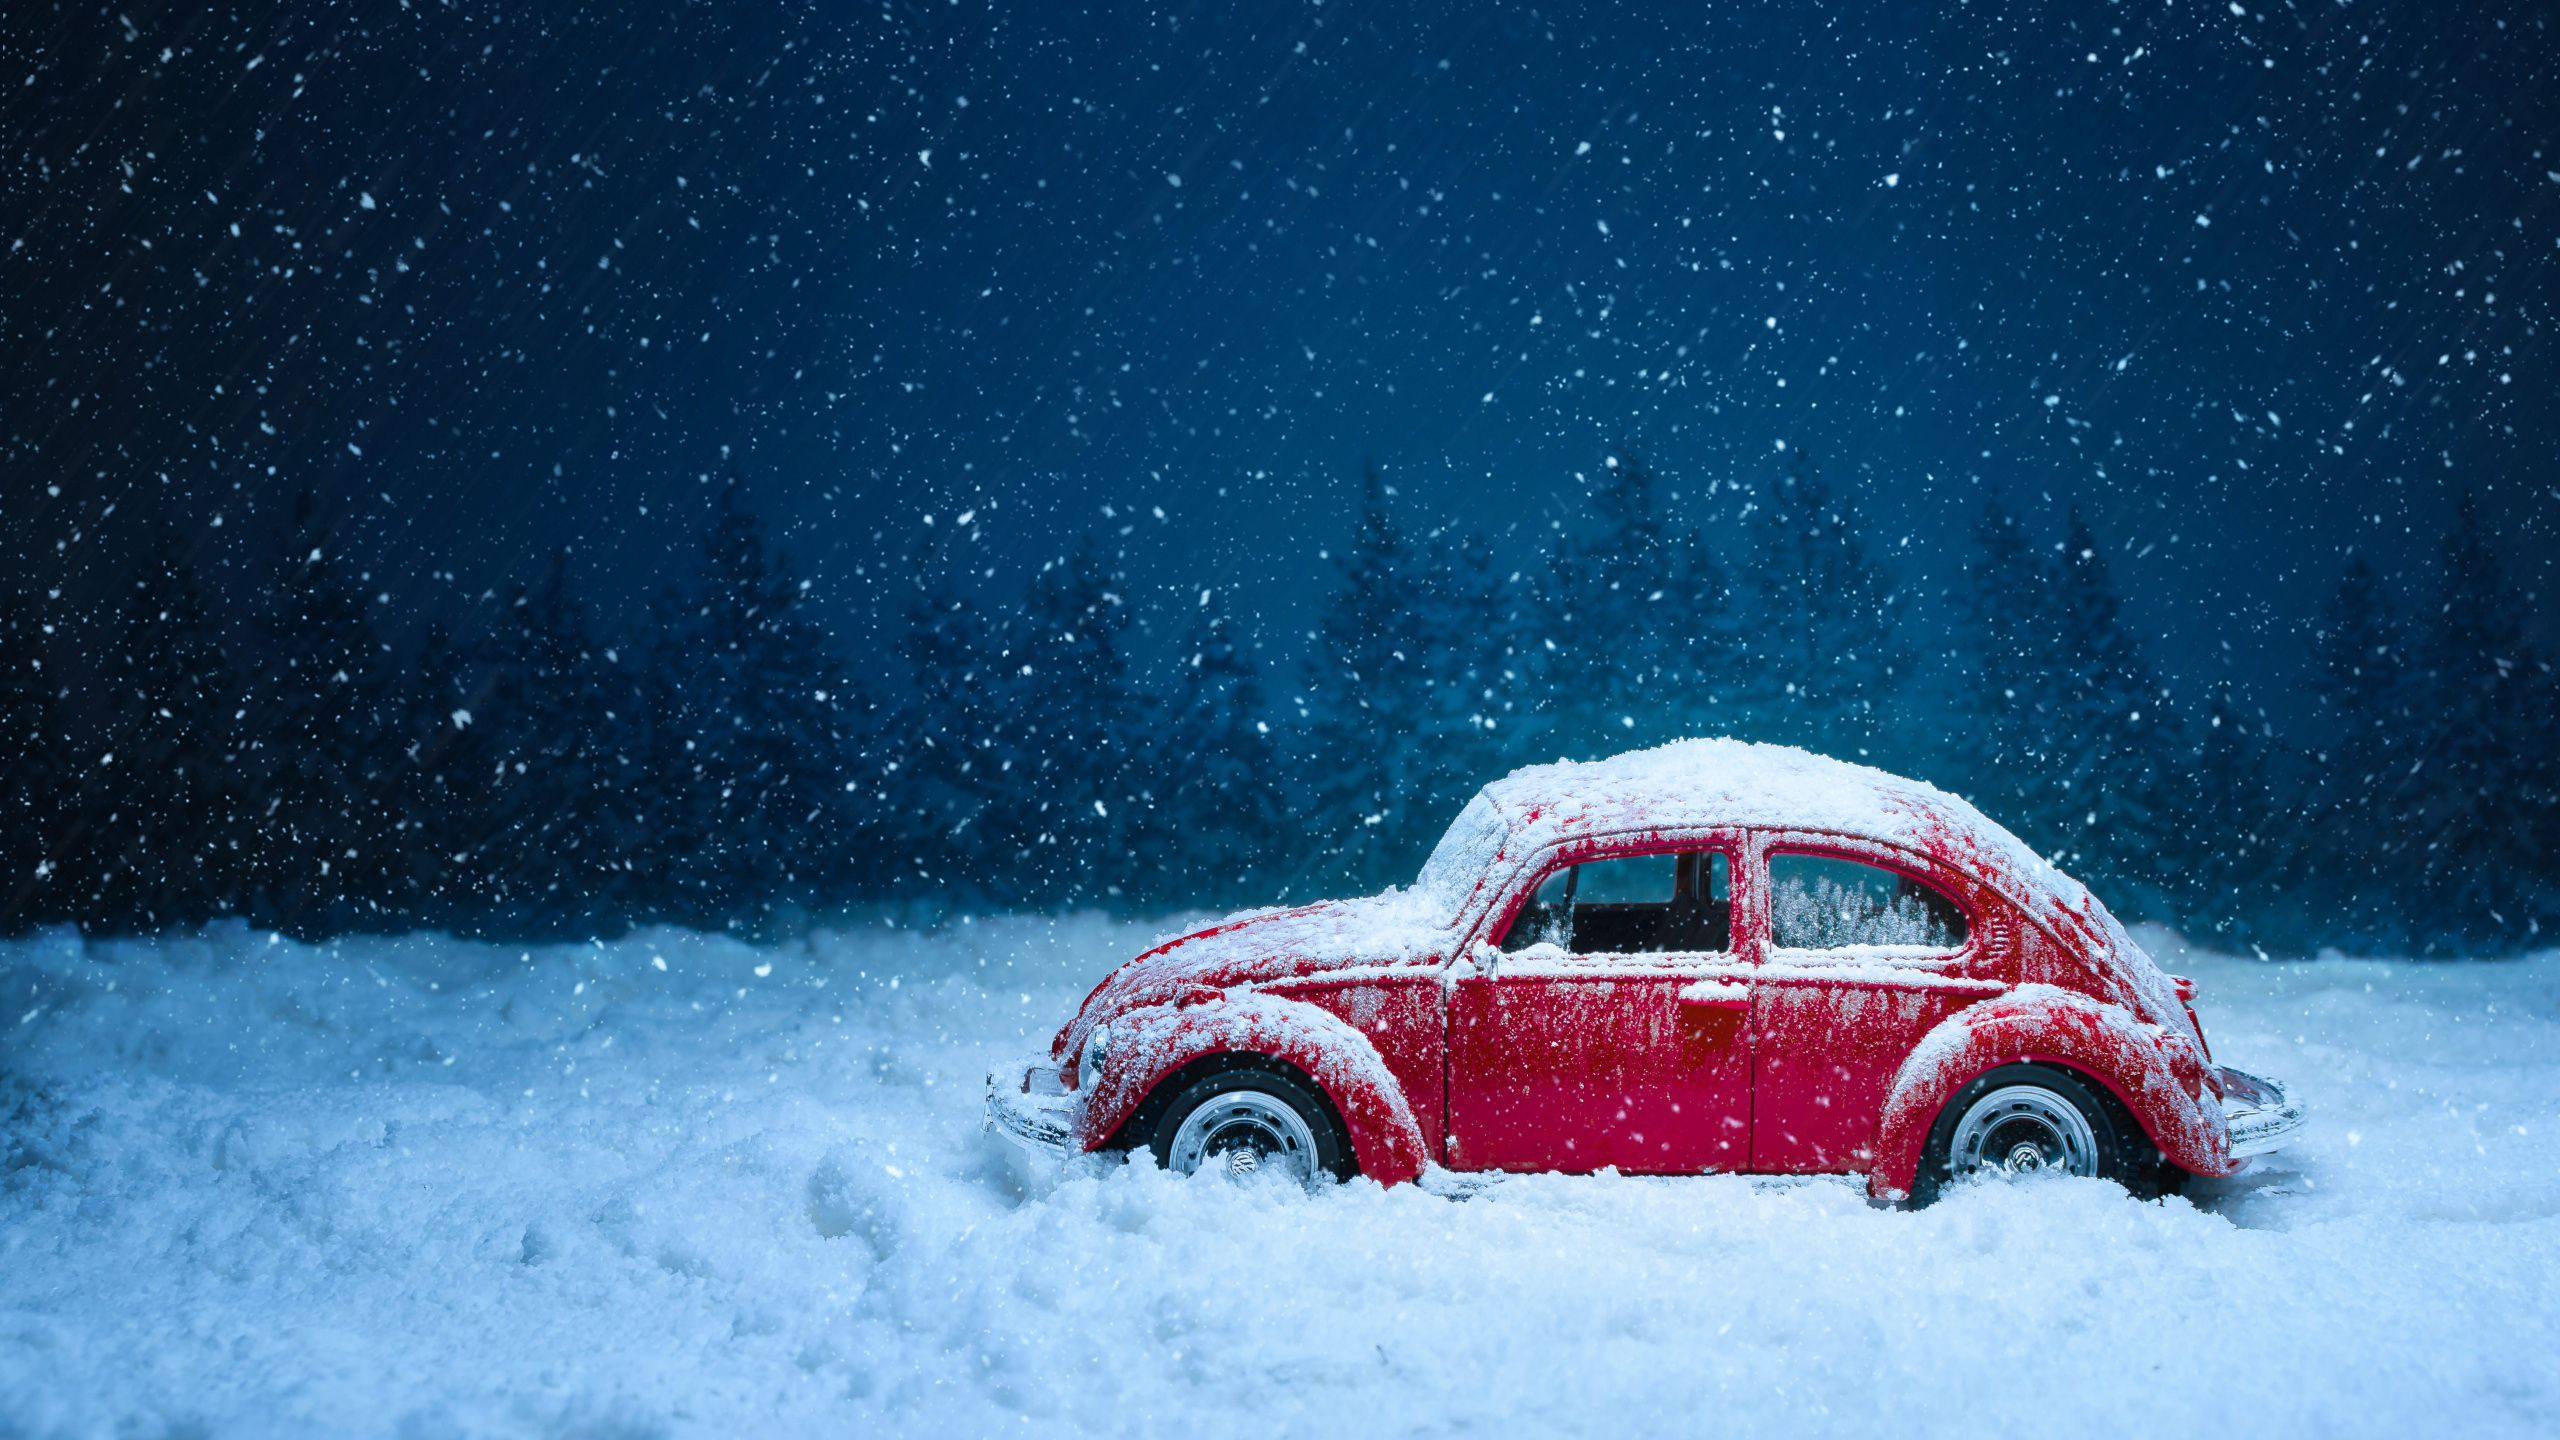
1097 1049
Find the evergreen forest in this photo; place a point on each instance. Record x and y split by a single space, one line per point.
728 764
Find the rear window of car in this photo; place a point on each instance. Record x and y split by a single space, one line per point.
1823 902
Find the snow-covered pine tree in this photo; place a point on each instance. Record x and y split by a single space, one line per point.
1464 636
758 815
2238 836
2353 792
442 780
1056 759
318 846
2474 819
170 808
920 775
564 837
1216 832
1827 662
1390 746
2107 804
1643 643
2010 611
2064 728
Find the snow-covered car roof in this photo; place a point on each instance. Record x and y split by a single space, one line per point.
1720 784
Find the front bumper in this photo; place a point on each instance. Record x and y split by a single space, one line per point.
1027 1105
2260 1116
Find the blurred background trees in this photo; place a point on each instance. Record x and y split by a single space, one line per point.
732 765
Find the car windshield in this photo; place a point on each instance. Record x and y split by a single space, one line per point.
1459 861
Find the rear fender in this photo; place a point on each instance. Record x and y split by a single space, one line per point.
2155 1072
1149 1045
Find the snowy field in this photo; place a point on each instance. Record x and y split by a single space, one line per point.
413 1187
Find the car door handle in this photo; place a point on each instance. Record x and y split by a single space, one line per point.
1717 994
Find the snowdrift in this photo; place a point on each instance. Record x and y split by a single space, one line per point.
678 1185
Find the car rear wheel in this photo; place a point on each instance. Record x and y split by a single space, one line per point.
1248 1122
2023 1119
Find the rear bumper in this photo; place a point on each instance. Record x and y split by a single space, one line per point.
1026 1105
2258 1112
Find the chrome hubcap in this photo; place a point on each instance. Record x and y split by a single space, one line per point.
1242 1133
2020 1129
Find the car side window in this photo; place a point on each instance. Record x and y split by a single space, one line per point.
1631 905
1819 902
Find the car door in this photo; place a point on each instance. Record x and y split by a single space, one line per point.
1863 950
1609 1024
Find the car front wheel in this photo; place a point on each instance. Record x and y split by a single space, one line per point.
1247 1122
2021 1119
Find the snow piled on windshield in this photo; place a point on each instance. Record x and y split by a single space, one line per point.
416 1186
1463 859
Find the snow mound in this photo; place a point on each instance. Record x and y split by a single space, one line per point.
412 1186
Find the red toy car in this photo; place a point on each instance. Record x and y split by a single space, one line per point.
1712 956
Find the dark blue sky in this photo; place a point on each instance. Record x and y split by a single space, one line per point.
2248 284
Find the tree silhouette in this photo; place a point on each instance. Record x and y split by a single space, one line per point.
2476 802
1827 662
1646 648
757 700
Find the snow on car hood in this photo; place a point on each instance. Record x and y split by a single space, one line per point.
1396 927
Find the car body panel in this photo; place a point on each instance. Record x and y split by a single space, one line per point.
1403 1017
1151 1044
2156 1073
1575 1066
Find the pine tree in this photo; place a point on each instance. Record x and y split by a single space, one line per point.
2106 803
2360 677
2010 609
565 834
1058 762
167 845
1644 649
2067 730
1396 736
928 790
2235 827
1216 829
1828 663
444 776
2475 804
323 837
761 704
1466 636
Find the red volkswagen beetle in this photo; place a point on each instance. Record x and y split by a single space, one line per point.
1711 956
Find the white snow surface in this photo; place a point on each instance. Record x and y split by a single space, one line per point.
243 1192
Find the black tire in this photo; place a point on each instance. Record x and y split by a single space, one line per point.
2117 1148
1327 1143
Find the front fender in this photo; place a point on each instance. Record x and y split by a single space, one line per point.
1149 1044
2158 1075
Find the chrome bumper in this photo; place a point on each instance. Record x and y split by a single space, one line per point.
2260 1116
1026 1105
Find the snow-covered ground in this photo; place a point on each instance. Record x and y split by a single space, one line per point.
413 1187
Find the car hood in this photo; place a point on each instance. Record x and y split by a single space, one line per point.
1392 930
